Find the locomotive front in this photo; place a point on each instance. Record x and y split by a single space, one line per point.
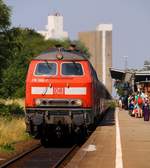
58 94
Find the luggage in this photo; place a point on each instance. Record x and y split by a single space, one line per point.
146 112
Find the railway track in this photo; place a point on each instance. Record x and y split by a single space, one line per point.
64 160
20 156
41 157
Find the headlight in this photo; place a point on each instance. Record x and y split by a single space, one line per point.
76 102
37 102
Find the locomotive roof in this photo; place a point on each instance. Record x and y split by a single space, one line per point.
67 55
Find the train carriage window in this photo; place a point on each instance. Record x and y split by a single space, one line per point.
72 68
45 69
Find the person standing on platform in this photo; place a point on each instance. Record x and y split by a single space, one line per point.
146 109
131 105
139 98
120 102
129 100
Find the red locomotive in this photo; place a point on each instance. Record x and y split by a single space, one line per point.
63 94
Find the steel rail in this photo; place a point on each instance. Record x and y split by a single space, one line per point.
18 157
65 156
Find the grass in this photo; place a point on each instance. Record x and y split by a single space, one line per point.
13 101
12 131
7 148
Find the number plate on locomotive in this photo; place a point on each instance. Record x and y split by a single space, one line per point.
58 91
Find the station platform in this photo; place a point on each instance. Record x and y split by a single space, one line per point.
120 141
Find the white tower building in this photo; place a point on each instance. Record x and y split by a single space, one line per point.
54 28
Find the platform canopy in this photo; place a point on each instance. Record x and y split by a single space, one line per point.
139 75
117 74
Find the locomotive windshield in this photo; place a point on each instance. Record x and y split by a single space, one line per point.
45 69
72 68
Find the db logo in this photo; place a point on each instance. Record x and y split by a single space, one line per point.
58 90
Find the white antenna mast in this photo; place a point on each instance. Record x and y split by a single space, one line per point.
125 62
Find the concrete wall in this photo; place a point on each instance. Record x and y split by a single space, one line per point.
108 60
93 40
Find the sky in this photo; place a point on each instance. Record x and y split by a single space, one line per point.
130 19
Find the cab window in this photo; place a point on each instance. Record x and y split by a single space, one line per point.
45 69
72 68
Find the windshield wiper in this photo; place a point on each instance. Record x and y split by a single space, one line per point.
49 67
75 65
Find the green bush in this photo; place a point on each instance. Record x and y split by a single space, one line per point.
7 147
112 104
11 110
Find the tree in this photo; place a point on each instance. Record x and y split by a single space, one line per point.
4 25
82 47
22 44
4 16
123 88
